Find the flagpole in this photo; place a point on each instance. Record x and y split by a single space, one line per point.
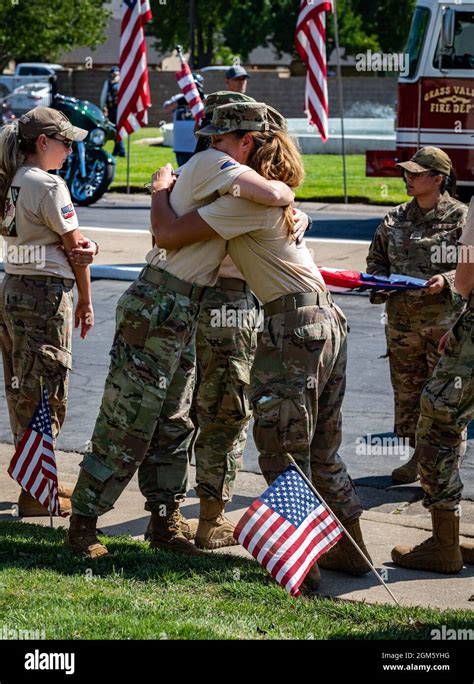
316 493
341 100
128 164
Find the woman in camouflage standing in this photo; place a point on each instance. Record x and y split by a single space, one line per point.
418 239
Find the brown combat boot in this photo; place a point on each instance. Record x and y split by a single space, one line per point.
29 507
81 538
214 530
312 580
187 526
408 472
440 553
344 556
166 533
467 552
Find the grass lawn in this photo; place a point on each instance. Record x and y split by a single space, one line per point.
323 181
135 593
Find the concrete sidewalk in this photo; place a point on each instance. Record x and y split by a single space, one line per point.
405 523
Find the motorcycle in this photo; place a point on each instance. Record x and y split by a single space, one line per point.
89 169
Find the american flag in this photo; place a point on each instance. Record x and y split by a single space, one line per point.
188 85
310 39
134 91
287 529
33 465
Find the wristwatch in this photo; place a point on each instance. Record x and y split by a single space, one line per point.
96 247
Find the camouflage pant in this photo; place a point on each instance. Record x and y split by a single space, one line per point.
447 407
226 339
413 358
36 338
144 418
297 388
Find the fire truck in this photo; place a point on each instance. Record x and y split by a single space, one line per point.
436 97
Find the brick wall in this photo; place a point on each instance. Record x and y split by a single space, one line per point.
285 94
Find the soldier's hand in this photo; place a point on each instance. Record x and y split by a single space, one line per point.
84 254
163 179
443 341
84 316
435 285
301 224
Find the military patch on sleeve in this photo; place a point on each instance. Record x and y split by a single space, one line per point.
67 211
9 222
228 164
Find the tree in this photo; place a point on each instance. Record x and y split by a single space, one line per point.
40 30
389 19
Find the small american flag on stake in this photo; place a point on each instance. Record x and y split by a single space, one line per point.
33 465
188 86
287 529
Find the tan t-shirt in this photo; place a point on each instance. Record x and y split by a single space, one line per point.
272 264
38 210
467 237
203 179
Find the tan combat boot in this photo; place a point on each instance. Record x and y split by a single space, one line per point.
344 556
440 553
29 507
311 581
166 533
81 538
187 526
214 530
408 472
467 552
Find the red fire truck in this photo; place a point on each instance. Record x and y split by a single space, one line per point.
436 97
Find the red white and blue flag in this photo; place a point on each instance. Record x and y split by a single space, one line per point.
189 89
310 40
134 90
338 280
287 529
33 465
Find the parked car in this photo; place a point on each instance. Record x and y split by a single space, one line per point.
27 96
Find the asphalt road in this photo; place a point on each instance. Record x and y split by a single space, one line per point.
367 405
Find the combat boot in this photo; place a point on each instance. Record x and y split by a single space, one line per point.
344 556
467 552
312 580
166 533
408 472
82 539
29 507
440 553
188 527
214 530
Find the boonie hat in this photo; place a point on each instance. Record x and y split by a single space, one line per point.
236 71
222 97
428 159
277 120
47 121
237 116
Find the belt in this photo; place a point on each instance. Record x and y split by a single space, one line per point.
67 282
171 282
231 284
295 301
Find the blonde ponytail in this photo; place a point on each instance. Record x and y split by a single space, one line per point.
10 159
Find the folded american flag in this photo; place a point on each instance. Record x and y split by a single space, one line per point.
287 529
33 465
188 85
339 280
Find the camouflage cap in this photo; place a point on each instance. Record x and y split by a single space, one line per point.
277 120
47 121
428 159
222 97
237 116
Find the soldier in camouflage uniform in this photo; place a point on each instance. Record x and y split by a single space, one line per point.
144 420
419 239
298 375
36 298
447 407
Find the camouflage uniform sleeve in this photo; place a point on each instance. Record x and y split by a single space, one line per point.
377 260
460 224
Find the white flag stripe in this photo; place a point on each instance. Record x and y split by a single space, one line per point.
273 540
310 559
36 484
250 523
261 531
290 541
24 455
34 458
